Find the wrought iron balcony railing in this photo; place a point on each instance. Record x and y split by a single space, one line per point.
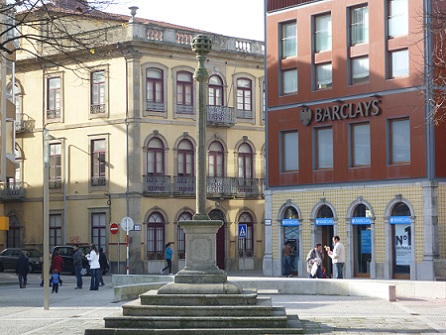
184 185
98 181
220 116
24 124
97 109
53 113
55 184
220 187
14 191
247 187
216 187
154 184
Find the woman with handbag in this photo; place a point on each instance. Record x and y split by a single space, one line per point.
314 261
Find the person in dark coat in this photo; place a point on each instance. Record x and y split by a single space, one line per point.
22 269
103 263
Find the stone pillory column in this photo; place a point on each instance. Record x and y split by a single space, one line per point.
200 274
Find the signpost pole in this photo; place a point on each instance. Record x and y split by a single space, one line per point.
244 256
127 241
127 224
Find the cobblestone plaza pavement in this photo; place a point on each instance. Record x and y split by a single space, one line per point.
72 311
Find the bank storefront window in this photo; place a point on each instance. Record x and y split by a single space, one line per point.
402 241
362 241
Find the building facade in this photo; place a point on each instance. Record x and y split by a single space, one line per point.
10 188
353 149
120 131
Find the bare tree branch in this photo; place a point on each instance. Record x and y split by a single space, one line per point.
50 29
435 92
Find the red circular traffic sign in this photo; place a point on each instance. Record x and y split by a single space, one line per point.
114 228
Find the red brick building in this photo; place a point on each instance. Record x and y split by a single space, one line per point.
352 147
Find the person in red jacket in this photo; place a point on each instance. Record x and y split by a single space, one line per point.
56 264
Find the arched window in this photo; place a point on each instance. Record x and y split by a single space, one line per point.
155 89
215 91
244 98
248 242
155 157
402 248
155 236
245 161
216 160
181 240
325 212
185 159
185 96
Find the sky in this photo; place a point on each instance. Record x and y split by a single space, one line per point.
235 18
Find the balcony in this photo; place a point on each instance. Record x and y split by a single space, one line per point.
53 114
97 109
220 116
24 124
97 181
247 188
14 191
221 187
157 185
55 184
184 186
217 187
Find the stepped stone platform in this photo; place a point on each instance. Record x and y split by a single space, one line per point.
207 313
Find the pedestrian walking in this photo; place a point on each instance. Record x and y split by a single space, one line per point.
93 258
337 256
168 255
77 263
55 281
103 263
22 269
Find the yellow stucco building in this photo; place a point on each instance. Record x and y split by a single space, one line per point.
120 118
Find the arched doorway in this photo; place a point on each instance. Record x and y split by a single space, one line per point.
217 214
290 224
324 233
361 241
401 232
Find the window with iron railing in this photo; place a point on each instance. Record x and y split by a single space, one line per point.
155 90
55 173
155 236
97 82
98 162
244 98
53 98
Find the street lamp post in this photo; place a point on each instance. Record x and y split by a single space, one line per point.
46 219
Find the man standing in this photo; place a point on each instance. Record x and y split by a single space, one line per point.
77 263
22 269
287 252
337 256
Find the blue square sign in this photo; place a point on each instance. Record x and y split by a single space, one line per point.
242 230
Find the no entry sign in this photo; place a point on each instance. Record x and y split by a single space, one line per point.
114 228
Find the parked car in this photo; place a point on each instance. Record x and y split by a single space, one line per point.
67 253
9 257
